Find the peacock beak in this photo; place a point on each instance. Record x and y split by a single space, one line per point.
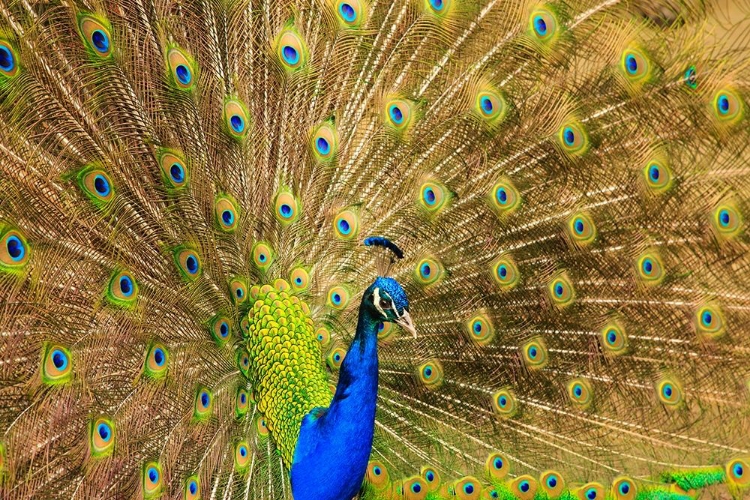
405 322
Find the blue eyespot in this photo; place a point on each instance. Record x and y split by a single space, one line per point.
192 264
578 225
224 329
502 401
337 357
707 318
377 471
502 271
237 123
498 463
724 217
691 77
347 12
101 185
205 399
591 494
396 114
104 432
427 371
243 398
559 289
126 286
429 196
540 26
228 217
723 104
286 211
193 487
159 356
631 63
477 327
425 270
416 488
153 474
494 494
611 336
577 390
262 257
344 226
667 390
6 60
183 74
381 326
551 481
569 136
533 352
322 145
100 41
239 293
648 266
737 470
336 298
177 173
468 488
654 173
486 104
524 486
15 247
298 280
624 488
243 451
502 195
437 4
60 359
430 476
290 54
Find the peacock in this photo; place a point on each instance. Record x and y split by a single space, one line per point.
403 249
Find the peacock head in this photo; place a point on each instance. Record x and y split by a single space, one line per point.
386 300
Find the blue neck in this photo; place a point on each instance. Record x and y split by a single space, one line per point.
334 445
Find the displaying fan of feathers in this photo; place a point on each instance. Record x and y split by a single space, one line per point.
568 181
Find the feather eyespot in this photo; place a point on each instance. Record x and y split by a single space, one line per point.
504 197
635 65
591 491
428 271
291 49
580 394
96 34
155 365
497 465
738 472
152 479
650 269
241 403
430 374
101 437
623 488
323 336
57 365
188 263
691 78
204 402
8 60
543 26
14 250
658 176
173 167
415 488
96 185
727 106
614 339
399 114
236 118
299 279
534 354
335 358
480 330
431 477
324 142
346 225
338 297
377 475
351 13
123 289
669 392
433 197
726 220
552 483
505 404
524 487
192 488
505 273
238 290
243 362
490 105
226 214
561 291
242 456
573 139
220 329
438 8
182 68
709 321
286 208
263 256
581 229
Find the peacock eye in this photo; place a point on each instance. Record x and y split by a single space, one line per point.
384 303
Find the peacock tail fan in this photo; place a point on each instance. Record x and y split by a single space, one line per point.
185 187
